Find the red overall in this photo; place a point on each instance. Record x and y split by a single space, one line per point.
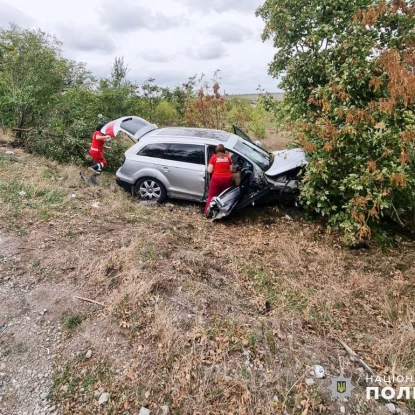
97 148
221 178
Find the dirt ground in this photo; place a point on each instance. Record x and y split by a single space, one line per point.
188 317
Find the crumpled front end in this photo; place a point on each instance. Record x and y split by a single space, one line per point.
279 183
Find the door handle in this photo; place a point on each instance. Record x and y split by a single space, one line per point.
165 169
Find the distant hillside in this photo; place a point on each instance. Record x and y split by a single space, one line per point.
278 96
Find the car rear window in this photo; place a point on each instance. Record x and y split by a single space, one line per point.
186 153
132 125
154 150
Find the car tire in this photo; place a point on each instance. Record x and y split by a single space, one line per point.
149 188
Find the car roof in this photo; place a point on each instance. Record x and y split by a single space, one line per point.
195 133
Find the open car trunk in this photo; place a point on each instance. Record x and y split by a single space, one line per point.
134 127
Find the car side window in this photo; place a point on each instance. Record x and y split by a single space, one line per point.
154 150
186 153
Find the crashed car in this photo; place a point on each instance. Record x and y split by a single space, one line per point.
172 162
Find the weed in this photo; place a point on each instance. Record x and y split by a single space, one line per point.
253 340
245 373
21 348
70 322
271 342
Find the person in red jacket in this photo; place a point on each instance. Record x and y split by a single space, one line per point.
97 150
220 166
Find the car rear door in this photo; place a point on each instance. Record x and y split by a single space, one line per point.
185 170
134 127
145 162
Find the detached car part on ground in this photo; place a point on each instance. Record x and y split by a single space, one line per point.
172 162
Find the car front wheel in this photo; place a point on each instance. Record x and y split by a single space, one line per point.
150 189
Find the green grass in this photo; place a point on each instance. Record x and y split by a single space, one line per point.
21 200
21 348
70 322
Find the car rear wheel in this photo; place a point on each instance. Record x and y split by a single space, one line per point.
150 189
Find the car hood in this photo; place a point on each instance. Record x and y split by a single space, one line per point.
286 160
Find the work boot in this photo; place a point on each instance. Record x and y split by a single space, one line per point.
96 168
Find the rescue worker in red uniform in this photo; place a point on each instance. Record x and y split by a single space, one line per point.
97 150
220 166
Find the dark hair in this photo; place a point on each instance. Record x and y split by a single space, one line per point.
99 127
220 148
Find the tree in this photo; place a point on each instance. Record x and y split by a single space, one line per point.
32 75
305 32
240 113
117 95
208 108
165 113
348 68
152 96
179 95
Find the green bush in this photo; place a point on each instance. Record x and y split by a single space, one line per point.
348 71
165 113
115 156
63 148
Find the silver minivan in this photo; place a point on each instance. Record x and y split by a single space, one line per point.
172 162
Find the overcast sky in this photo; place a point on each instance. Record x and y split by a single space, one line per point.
169 40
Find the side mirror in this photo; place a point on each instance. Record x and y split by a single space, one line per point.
258 143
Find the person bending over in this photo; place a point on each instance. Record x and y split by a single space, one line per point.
97 150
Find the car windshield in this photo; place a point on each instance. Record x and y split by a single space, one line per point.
258 156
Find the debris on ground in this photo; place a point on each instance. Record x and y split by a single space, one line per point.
147 202
89 180
288 218
10 153
144 411
95 205
360 245
319 372
3 327
73 196
22 193
104 398
88 354
310 382
391 408
170 206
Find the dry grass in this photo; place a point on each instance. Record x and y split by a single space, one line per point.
276 139
186 314
6 137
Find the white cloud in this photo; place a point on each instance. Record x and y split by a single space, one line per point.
10 14
85 38
229 32
156 56
208 51
127 16
222 5
168 40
